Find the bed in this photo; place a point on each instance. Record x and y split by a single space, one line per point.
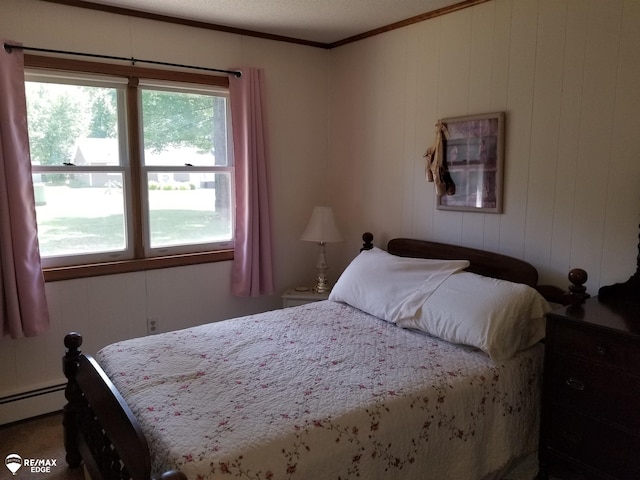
350 387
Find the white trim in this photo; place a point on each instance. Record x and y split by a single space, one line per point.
32 403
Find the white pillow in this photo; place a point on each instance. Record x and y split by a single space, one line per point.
391 287
499 317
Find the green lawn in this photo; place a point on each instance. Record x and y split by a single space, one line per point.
76 220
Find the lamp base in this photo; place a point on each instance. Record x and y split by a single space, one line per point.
321 285
321 281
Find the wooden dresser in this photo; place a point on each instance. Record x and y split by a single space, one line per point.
591 391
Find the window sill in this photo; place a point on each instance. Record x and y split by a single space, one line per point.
126 266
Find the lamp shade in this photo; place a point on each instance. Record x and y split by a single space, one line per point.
322 227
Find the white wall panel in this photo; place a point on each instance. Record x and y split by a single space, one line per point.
347 149
355 86
425 61
411 156
38 23
501 38
596 127
522 60
480 82
566 74
564 174
385 159
545 130
620 235
374 112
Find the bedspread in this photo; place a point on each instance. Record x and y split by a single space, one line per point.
324 391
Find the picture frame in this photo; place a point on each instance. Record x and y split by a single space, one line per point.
473 156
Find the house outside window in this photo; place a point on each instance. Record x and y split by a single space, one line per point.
128 169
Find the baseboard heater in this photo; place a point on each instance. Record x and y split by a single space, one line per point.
32 403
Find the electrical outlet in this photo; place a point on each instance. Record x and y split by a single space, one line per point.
152 325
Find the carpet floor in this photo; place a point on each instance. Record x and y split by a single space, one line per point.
41 438
38 438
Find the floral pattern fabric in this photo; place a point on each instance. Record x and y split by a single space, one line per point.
324 391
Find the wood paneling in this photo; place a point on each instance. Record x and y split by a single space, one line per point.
566 74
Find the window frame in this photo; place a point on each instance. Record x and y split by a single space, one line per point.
141 260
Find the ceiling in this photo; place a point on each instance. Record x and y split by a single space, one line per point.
318 21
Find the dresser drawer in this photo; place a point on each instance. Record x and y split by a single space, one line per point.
591 391
594 390
598 346
601 446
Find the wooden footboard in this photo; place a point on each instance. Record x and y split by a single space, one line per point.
99 428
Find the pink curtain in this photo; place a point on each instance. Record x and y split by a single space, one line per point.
252 271
23 306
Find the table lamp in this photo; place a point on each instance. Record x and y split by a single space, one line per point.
322 229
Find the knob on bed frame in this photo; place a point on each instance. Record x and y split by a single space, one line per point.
367 238
577 291
73 340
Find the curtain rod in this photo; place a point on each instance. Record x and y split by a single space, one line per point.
9 48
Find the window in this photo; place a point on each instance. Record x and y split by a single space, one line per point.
129 168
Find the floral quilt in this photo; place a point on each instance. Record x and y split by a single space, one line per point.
324 391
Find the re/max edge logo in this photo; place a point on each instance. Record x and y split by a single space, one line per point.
35 465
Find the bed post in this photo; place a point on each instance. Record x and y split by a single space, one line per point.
73 394
367 238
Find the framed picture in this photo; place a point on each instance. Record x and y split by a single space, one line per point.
473 154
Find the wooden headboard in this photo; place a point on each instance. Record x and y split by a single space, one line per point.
484 263
489 264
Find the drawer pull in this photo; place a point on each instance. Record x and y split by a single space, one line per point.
574 383
600 350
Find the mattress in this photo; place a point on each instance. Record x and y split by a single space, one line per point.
325 391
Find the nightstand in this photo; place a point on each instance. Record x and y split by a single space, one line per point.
591 390
293 297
